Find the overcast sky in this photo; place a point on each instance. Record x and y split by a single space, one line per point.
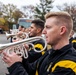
20 3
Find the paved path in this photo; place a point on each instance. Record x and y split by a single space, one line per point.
3 66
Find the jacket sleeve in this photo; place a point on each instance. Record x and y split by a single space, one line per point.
64 67
17 69
25 68
33 56
63 71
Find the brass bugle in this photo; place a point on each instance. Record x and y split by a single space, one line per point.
26 41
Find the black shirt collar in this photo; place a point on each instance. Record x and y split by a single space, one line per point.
66 47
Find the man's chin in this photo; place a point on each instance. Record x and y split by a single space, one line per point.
30 36
47 41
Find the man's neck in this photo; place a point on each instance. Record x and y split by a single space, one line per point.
60 44
39 34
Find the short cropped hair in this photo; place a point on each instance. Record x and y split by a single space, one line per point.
62 18
22 26
39 23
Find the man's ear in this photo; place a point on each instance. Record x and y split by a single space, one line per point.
38 30
63 30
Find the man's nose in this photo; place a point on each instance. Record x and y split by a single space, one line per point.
44 31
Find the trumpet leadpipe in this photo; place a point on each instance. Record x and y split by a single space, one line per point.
28 40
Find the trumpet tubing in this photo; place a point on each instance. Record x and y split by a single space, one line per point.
19 48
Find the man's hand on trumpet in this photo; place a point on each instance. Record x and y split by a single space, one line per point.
10 59
20 33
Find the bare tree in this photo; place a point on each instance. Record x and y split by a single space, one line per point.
10 13
70 8
29 11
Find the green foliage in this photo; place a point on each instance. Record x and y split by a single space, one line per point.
29 11
10 13
3 24
42 8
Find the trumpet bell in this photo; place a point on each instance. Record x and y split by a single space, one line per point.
9 35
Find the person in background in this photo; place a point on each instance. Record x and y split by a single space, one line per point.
60 60
71 36
74 42
22 34
20 28
27 30
19 34
72 39
35 30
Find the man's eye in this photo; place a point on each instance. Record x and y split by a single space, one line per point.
47 27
